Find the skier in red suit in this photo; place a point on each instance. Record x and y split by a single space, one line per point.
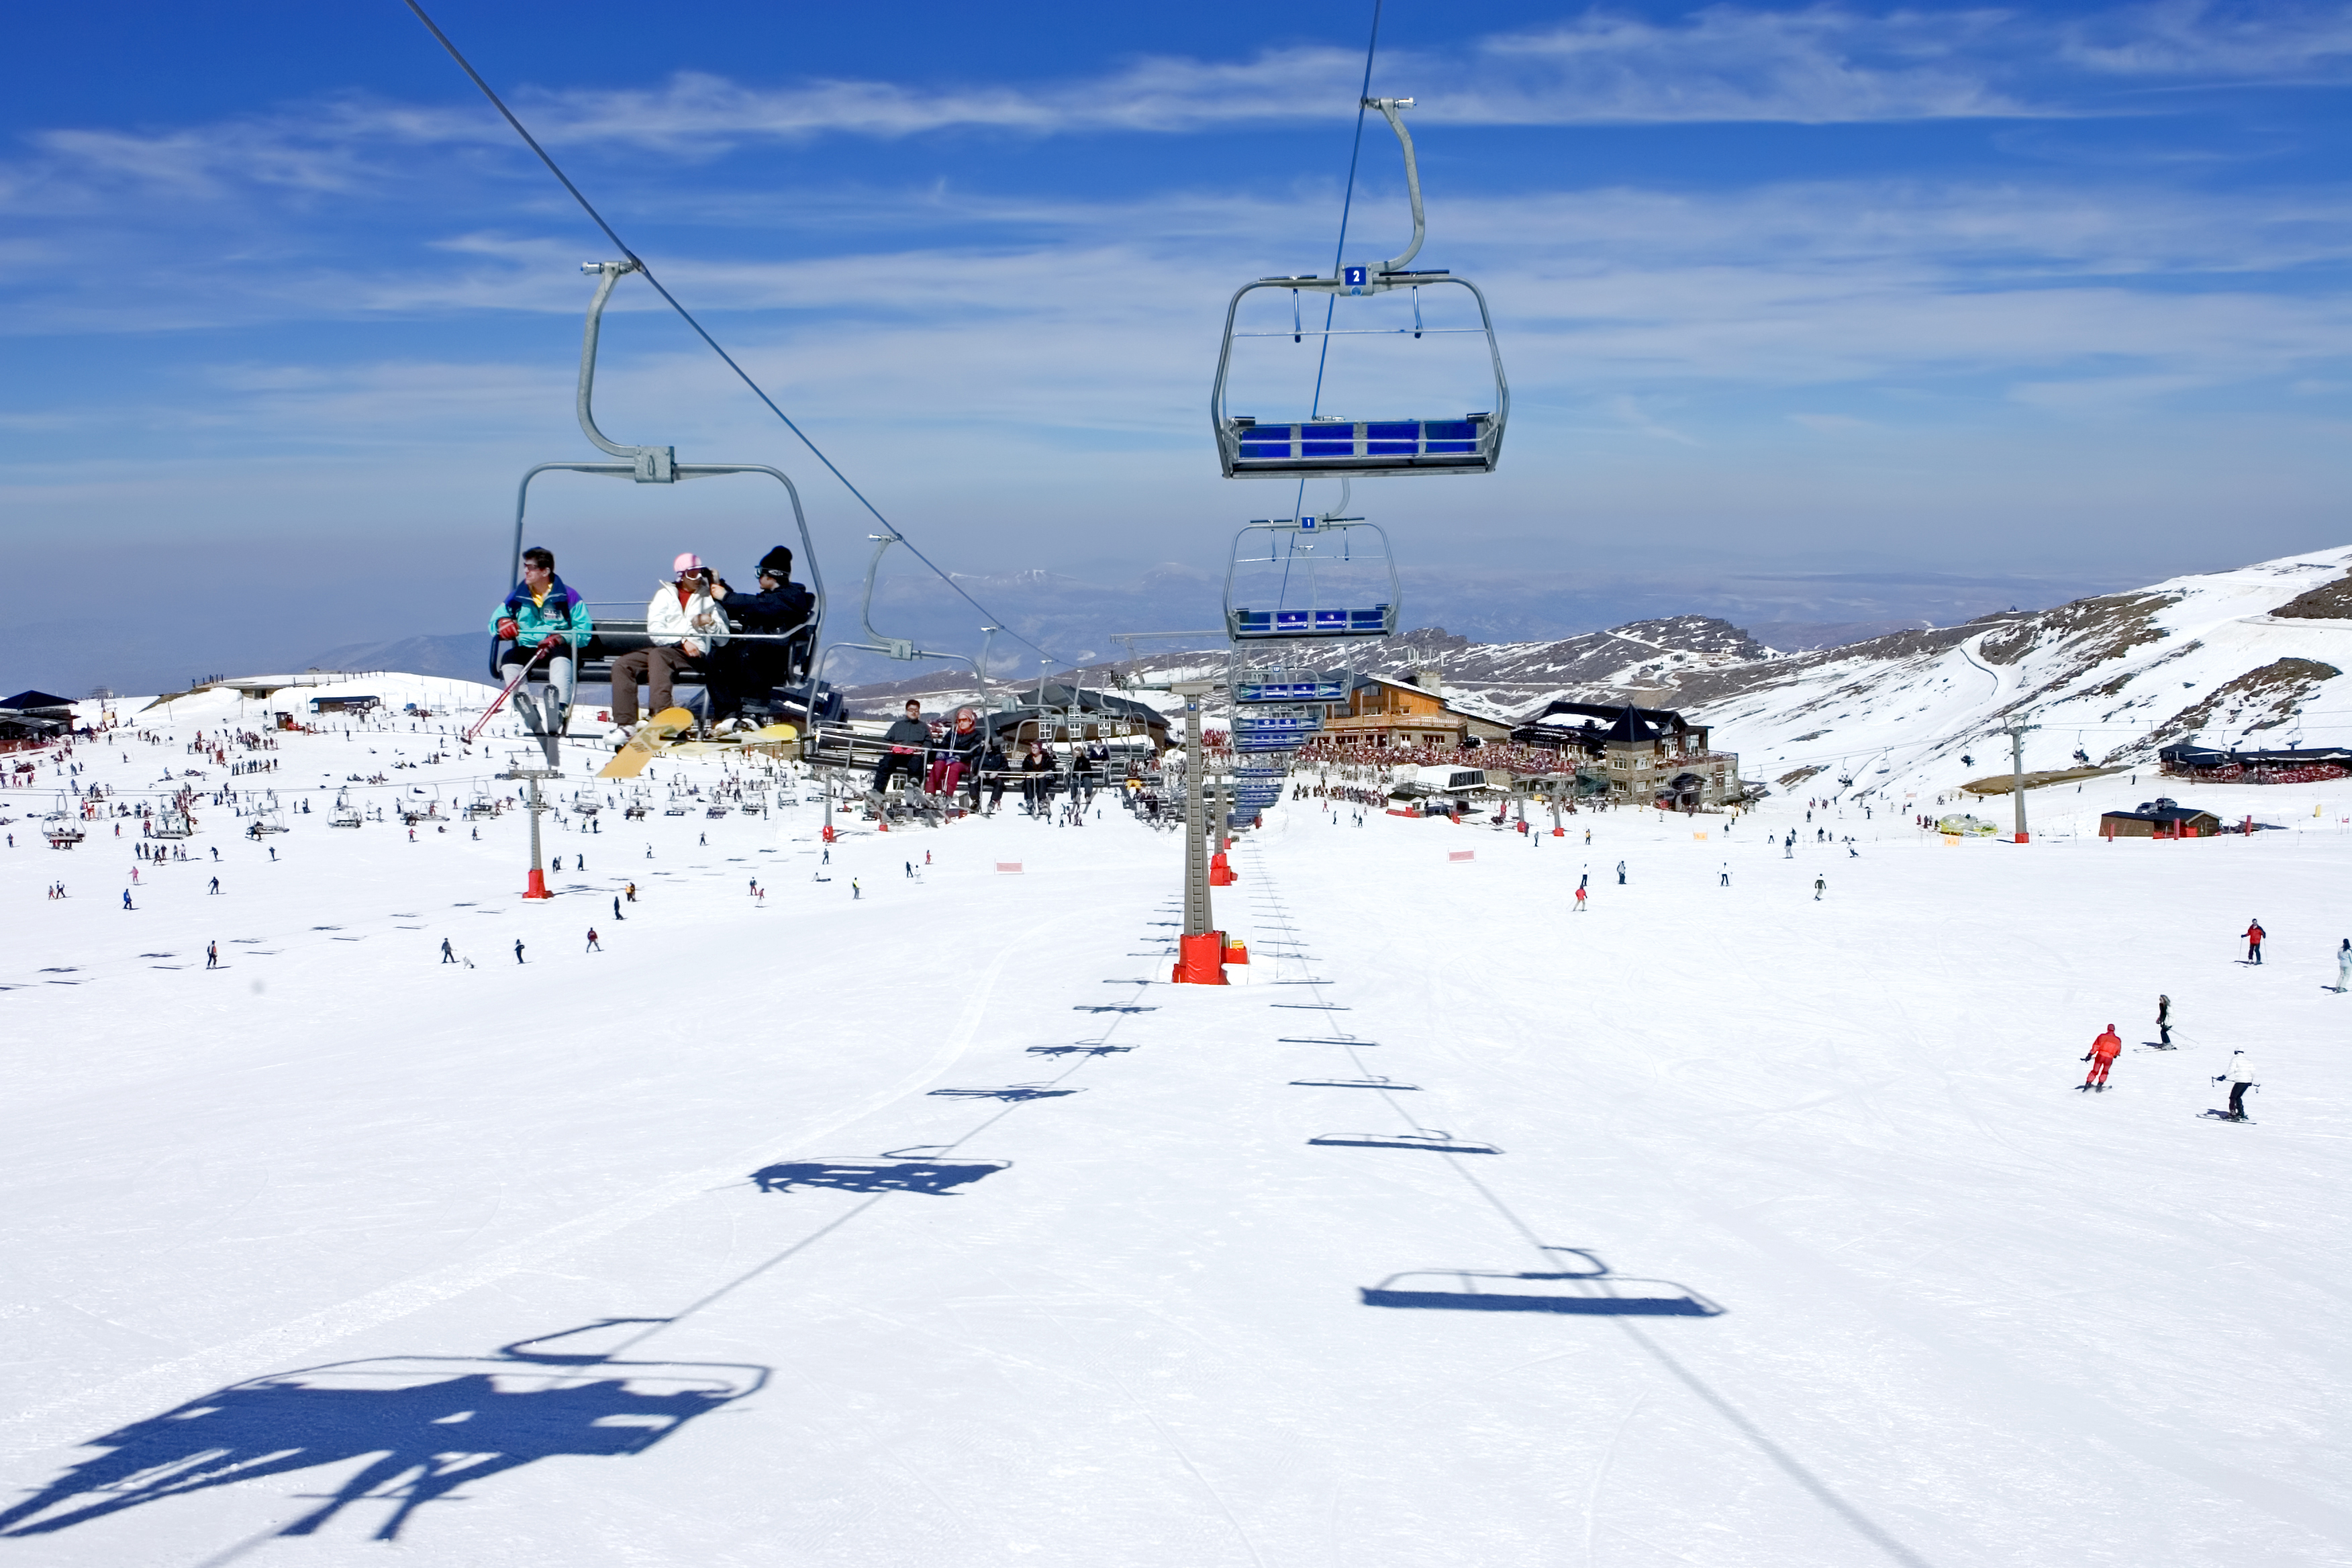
2103 1052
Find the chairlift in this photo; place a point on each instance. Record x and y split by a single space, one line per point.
347 817
1472 443
1325 576
621 626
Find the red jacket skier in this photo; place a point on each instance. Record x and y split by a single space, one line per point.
2103 1052
2254 934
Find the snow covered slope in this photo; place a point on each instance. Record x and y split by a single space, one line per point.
2206 656
907 1215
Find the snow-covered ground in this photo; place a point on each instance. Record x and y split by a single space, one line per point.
929 1225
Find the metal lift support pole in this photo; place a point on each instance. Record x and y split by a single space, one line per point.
537 887
1201 950
2016 733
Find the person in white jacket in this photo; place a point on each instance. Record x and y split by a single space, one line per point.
2240 1077
685 623
2344 966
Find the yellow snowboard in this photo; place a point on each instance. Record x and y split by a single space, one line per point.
652 736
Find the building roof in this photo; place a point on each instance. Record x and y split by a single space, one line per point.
2159 810
2189 755
33 702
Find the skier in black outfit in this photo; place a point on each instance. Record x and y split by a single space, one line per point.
446 956
907 738
753 667
2163 1020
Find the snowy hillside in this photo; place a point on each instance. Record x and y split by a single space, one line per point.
2238 658
886 1205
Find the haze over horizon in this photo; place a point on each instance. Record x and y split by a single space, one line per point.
1811 313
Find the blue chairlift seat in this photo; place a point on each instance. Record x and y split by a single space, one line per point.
1364 447
1313 689
1368 621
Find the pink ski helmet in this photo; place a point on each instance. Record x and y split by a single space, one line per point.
689 562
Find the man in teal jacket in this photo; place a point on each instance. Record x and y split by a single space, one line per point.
542 612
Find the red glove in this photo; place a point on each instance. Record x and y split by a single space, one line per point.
509 630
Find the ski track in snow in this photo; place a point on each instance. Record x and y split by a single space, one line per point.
1799 1251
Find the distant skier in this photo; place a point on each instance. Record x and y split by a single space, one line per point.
2164 1021
2344 966
1725 880
855 890
448 956
211 955
1820 885
517 949
1621 873
631 890
1579 899
2240 1077
616 908
126 900
594 945
2102 1056
215 892
2254 934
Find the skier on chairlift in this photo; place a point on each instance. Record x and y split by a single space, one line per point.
542 618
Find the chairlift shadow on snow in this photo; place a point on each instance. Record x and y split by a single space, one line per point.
1593 1290
885 1173
425 1426
1010 1092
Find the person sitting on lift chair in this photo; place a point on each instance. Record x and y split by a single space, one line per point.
753 667
907 738
686 626
542 613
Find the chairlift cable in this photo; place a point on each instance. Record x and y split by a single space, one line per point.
1340 252
623 245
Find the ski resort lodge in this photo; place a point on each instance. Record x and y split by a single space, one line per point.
1646 755
1383 711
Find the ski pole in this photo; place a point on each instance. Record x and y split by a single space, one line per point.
499 700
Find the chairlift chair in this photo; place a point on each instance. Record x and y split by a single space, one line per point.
1319 577
1248 448
622 629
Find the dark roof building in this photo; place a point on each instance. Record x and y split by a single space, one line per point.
2160 818
46 704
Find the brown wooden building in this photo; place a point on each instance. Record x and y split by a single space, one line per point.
1383 711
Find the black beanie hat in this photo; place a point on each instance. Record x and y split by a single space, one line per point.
777 562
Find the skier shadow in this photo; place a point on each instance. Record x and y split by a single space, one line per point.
1591 1291
885 1174
427 1426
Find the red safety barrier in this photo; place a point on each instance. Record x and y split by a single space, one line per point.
1200 960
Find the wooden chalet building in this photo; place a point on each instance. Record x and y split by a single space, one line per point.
1642 755
2160 818
1383 711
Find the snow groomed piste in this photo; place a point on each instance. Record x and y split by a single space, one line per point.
1796 1245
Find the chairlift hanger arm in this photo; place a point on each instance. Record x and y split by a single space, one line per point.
1388 107
650 465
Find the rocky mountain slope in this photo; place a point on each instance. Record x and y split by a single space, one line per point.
2242 657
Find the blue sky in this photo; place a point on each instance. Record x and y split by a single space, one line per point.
1810 313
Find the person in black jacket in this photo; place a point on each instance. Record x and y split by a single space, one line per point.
908 740
754 666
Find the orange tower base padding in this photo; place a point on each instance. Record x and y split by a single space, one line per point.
1200 960
1237 953
538 889
1221 870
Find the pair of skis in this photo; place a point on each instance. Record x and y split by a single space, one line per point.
508 689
